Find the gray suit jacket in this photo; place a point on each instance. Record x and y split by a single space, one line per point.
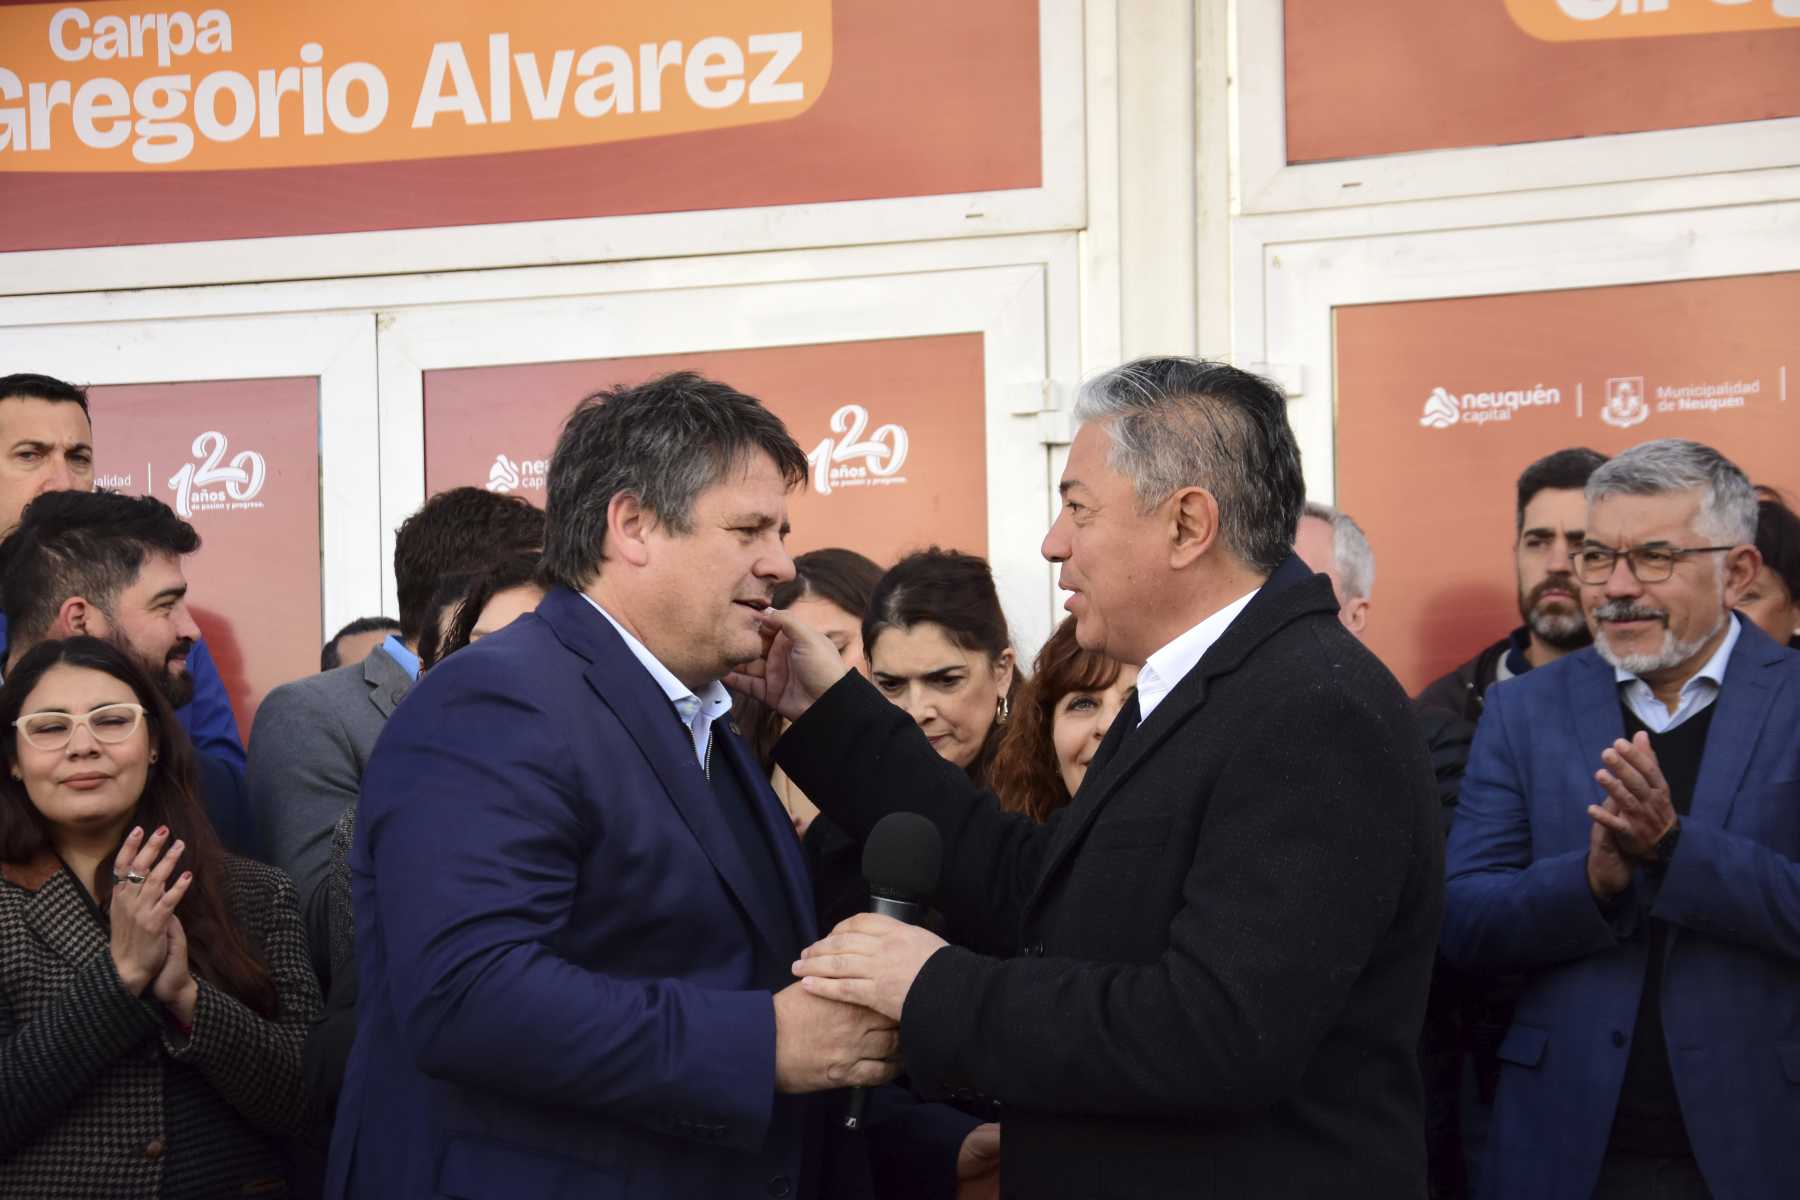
309 745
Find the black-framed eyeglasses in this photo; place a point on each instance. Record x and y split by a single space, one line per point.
110 723
1647 564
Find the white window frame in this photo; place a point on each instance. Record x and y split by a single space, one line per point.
1006 304
1057 204
1303 282
337 349
1265 183
352 431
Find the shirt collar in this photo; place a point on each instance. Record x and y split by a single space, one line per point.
1169 665
697 710
396 650
1710 675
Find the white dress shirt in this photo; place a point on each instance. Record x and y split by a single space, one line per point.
1167 667
698 712
1696 693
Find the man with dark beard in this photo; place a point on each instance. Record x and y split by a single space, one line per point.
1551 514
107 565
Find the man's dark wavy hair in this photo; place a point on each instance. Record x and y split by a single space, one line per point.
87 544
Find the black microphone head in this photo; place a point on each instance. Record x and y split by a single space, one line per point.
903 857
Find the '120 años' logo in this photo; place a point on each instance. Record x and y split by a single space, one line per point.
834 460
213 483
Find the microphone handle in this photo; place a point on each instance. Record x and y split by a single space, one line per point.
907 912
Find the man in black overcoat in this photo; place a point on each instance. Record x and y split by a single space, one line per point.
1205 977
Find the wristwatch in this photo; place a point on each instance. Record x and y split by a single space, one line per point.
1665 848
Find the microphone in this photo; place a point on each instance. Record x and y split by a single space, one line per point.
901 863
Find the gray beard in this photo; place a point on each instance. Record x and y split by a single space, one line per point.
1672 653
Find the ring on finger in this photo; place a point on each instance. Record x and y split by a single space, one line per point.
127 877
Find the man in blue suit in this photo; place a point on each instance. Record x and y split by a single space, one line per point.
1629 836
577 901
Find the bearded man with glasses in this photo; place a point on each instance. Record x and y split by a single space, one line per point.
1629 837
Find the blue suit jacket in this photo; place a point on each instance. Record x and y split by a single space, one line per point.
1518 900
566 970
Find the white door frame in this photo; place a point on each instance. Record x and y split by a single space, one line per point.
1266 183
338 349
352 429
1302 282
1005 304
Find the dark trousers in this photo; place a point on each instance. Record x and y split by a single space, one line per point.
1647 1177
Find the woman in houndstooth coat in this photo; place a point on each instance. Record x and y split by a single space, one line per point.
154 991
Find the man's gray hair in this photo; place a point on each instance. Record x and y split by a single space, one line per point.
1183 422
1728 506
1351 553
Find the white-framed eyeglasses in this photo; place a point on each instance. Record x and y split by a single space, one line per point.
110 723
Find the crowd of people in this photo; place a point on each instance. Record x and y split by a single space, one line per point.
553 885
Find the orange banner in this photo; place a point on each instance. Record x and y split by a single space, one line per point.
107 87
1408 75
895 431
493 113
1589 20
1441 403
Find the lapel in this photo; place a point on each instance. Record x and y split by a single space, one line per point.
1290 593
622 684
387 680
1599 722
732 753
1743 705
57 909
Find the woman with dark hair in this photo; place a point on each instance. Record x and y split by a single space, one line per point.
1063 713
467 608
939 648
154 990
1773 598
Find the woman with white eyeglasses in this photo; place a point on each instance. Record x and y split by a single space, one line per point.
154 990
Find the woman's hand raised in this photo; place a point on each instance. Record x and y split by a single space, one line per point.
143 902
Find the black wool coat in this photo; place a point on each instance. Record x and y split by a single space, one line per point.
1206 977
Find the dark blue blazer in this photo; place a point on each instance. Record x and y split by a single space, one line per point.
1518 900
566 968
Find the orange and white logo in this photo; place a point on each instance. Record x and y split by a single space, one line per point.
1441 410
1625 405
212 483
105 87
835 460
511 475
1444 408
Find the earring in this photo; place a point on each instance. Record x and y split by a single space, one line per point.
1005 711
153 756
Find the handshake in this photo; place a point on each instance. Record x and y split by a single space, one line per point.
839 1025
